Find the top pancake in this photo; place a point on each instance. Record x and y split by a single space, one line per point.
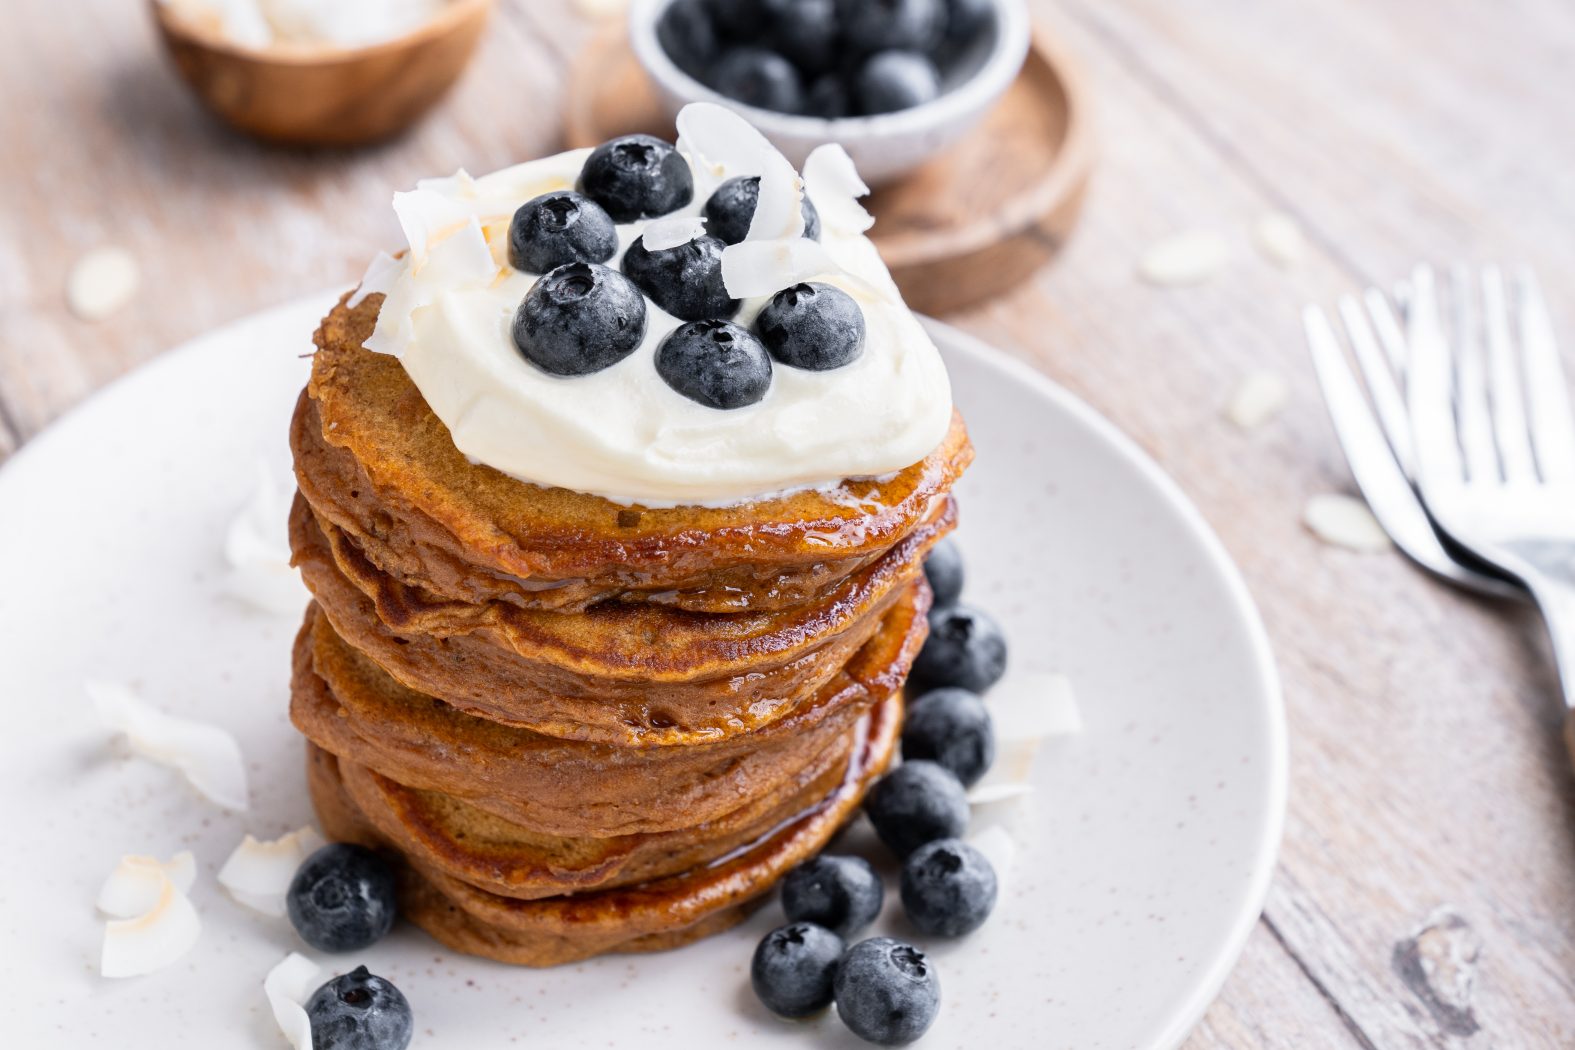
372 458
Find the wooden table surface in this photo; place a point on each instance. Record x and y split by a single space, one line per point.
1426 889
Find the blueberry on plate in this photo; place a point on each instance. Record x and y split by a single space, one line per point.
878 25
686 281
579 318
965 648
948 888
827 97
805 31
887 992
687 35
842 894
889 81
943 568
342 898
558 228
793 969
917 802
813 326
760 78
637 177
716 363
359 1011
950 726
731 208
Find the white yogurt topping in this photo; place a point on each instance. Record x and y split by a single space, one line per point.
623 433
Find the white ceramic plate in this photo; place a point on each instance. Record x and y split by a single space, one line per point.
1144 851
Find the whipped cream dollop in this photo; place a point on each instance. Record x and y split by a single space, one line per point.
623 433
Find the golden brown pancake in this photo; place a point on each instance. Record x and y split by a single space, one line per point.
373 460
346 704
620 673
657 914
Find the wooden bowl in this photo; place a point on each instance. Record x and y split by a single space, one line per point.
324 95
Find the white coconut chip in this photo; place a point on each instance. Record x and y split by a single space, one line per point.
664 234
1187 258
752 268
1341 521
288 986
137 882
379 278
1000 849
101 282
1280 239
1026 709
428 217
720 145
258 873
208 756
457 259
157 923
834 188
1258 398
257 548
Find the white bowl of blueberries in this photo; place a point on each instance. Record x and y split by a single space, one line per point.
893 81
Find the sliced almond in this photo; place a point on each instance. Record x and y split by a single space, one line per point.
1258 398
1345 522
101 282
1187 258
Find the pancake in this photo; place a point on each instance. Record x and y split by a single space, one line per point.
373 460
659 914
619 673
345 703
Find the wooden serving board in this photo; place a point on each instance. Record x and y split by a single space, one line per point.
971 224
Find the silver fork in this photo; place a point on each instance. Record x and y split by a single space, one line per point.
1494 439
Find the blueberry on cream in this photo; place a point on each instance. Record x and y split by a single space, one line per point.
812 326
558 228
579 319
686 281
637 177
716 363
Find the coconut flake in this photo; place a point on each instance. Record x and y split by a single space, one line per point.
137 882
1280 239
834 187
752 268
461 257
720 145
1187 258
1341 521
157 924
428 216
101 282
208 756
258 873
288 986
1259 397
379 278
1026 709
1000 849
671 232
257 547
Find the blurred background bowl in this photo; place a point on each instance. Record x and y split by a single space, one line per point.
885 146
324 95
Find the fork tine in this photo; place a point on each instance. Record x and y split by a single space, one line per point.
1380 382
1509 408
1386 315
1428 390
1552 429
1471 403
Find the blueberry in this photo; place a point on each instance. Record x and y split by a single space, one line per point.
686 281
893 80
814 326
579 318
760 78
793 968
342 898
558 228
943 567
842 894
715 363
359 1011
951 727
915 803
948 888
729 210
965 22
965 648
637 177
877 25
887 992
805 31
687 34
739 19
828 97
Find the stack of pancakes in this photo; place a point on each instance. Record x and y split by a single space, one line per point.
582 726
